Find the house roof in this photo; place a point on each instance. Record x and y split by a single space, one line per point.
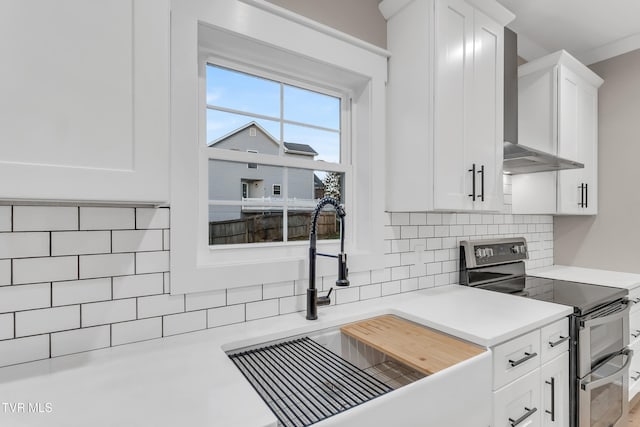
292 147
289 147
317 182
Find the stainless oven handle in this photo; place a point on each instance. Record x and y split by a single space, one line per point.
588 385
606 319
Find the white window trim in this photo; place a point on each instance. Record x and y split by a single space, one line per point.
262 38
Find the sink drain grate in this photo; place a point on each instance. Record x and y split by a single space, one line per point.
303 382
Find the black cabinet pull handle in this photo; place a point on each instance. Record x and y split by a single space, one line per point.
637 377
481 172
581 187
473 182
561 339
586 195
526 415
526 357
552 383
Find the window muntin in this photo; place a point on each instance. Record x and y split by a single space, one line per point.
306 131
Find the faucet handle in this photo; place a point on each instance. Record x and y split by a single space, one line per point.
325 300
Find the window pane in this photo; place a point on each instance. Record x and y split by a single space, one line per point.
242 92
325 184
313 108
325 143
233 181
244 224
233 131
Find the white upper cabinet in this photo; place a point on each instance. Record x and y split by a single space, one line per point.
84 111
445 105
558 113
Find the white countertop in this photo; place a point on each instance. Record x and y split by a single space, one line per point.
593 276
188 380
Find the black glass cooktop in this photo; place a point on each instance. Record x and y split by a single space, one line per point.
583 297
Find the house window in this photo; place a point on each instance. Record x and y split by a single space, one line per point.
292 134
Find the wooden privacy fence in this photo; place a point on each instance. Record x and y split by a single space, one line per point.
267 227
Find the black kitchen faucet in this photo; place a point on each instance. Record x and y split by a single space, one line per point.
313 300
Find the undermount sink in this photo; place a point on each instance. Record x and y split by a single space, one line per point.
330 378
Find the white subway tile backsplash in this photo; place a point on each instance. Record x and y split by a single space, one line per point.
159 305
98 218
225 315
292 304
261 309
400 218
137 330
138 285
408 285
112 264
23 245
390 288
50 269
6 326
44 218
174 324
278 290
147 218
136 240
78 340
346 295
5 218
101 313
81 291
34 322
152 262
25 297
94 266
80 242
244 294
22 350
5 272
201 300
371 291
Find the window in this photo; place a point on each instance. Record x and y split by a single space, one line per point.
267 46
291 131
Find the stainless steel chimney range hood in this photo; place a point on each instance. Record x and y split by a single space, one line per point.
519 159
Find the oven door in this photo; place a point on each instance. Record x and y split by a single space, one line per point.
600 334
604 392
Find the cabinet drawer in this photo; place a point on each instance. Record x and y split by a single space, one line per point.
515 358
634 326
554 339
634 369
519 401
634 297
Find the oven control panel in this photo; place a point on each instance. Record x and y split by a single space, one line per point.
487 252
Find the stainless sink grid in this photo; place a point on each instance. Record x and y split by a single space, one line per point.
304 383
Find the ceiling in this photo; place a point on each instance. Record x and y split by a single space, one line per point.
591 30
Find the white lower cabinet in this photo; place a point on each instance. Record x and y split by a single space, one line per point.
555 392
531 379
519 403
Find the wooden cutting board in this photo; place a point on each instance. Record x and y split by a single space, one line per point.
414 345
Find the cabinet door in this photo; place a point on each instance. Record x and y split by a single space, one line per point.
519 402
484 141
555 392
84 111
454 30
578 136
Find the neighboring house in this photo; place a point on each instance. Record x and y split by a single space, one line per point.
242 181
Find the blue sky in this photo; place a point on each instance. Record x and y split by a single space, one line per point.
238 91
